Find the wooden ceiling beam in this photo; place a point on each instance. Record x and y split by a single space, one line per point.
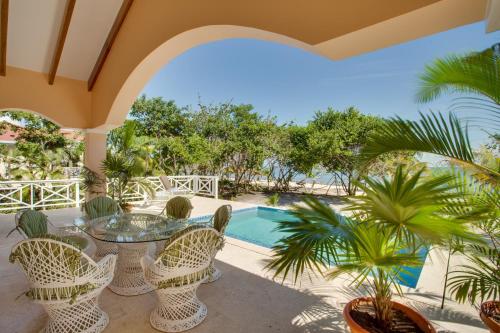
120 17
63 31
4 23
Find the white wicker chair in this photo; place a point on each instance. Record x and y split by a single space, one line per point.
66 282
100 207
32 224
176 275
219 222
177 208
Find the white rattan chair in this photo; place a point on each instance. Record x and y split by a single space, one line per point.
177 208
66 282
33 223
100 207
176 275
219 222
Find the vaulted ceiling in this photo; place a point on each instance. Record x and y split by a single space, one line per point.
34 28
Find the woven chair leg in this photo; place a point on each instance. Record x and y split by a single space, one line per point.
214 275
103 249
129 276
179 309
82 317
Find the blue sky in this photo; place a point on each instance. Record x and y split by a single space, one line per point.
292 84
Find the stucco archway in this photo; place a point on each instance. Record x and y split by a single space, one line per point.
174 47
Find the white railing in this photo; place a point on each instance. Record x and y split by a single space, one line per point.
49 194
61 193
204 185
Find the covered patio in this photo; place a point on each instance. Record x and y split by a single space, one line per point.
246 299
82 63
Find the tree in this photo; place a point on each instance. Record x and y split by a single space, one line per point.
337 138
41 149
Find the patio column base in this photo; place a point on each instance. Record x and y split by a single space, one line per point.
85 317
179 309
129 276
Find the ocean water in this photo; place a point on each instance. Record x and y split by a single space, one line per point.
258 226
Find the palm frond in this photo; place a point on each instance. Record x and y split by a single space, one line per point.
479 279
316 233
475 73
431 134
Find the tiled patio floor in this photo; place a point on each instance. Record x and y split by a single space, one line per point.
245 299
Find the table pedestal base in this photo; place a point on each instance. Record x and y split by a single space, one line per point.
129 277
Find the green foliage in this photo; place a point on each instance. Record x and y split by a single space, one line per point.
475 73
273 200
41 150
479 279
396 218
337 137
477 183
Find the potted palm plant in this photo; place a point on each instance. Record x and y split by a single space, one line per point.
121 171
390 224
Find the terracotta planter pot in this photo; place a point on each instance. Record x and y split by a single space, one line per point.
492 325
416 317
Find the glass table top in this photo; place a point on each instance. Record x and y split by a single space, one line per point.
130 227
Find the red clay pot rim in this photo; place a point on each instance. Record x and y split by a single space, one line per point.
492 324
356 327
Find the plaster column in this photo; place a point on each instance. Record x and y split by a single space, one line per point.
95 153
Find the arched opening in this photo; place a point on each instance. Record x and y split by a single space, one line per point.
174 47
34 147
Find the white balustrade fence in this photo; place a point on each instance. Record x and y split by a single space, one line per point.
202 185
61 193
50 194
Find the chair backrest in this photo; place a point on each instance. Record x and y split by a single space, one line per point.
55 269
187 253
33 223
178 207
100 207
166 182
221 218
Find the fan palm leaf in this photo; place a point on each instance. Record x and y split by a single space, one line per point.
315 235
411 205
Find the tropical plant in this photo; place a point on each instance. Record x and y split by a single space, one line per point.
479 279
476 73
273 200
390 225
478 76
121 171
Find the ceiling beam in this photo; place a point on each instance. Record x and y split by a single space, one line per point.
4 23
120 17
63 31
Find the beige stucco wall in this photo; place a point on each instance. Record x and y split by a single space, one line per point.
67 103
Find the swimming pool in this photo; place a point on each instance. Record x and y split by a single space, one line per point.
257 225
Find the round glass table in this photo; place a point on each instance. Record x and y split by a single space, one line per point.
132 233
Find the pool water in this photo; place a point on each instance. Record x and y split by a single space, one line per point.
257 226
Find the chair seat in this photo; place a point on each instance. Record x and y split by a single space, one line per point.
184 280
61 293
78 241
